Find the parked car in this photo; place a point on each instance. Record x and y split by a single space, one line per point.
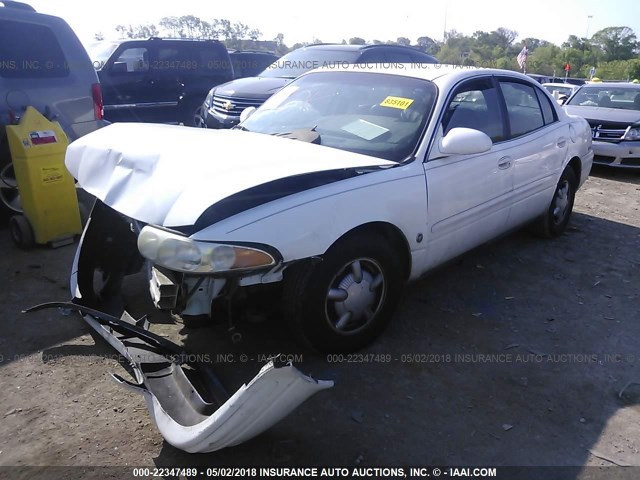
539 78
159 80
44 65
343 186
571 80
249 63
224 103
560 91
613 112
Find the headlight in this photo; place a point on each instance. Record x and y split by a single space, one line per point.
209 100
633 134
185 255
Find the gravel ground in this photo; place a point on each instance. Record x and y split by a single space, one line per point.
514 354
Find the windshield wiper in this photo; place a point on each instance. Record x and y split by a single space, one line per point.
240 127
308 135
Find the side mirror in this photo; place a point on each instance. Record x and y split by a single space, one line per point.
465 141
562 99
246 113
118 68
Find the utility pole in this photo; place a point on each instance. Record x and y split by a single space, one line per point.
444 32
589 17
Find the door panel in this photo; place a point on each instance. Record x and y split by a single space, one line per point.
541 143
469 196
125 84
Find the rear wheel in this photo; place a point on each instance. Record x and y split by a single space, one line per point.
555 220
345 301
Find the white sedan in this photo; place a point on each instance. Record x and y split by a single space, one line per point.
343 186
561 91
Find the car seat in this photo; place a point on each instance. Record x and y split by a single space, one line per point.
605 102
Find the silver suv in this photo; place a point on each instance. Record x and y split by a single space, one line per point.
44 65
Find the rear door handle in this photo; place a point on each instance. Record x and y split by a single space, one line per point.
504 163
562 142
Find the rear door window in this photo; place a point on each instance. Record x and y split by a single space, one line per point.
522 107
29 50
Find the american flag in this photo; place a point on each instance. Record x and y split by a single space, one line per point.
522 57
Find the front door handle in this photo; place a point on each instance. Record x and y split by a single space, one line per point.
562 142
504 163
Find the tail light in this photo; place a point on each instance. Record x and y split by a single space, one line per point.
98 106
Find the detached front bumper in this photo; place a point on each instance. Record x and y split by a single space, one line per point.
190 407
625 154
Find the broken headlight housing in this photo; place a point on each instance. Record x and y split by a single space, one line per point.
182 254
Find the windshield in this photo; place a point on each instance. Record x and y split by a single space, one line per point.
369 113
100 52
624 98
294 64
560 89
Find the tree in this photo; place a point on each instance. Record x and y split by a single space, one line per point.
428 45
403 41
357 41
171 25
137 31
617 43
98 36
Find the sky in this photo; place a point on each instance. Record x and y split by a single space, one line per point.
335 20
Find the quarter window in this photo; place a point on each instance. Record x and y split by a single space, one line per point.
28 50
522 107
548 112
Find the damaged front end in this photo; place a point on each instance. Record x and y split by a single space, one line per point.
189 405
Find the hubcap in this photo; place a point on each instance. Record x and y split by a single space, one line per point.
561 202
355 295
9 194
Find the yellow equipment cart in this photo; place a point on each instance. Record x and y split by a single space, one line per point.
47 190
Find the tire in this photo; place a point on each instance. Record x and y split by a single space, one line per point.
9 195
21 232
555 220
193 116
330 309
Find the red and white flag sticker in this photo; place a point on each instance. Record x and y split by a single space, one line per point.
42 137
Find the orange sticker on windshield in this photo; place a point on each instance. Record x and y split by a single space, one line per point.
397 102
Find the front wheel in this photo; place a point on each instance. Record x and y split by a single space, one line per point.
554 221
343 303
194 114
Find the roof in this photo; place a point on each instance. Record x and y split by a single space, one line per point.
426 71
558 84
343 47
630 85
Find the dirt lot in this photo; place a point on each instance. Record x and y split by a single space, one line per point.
521 349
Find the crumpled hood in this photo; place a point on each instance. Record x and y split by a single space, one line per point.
252 87
168 175
614 115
